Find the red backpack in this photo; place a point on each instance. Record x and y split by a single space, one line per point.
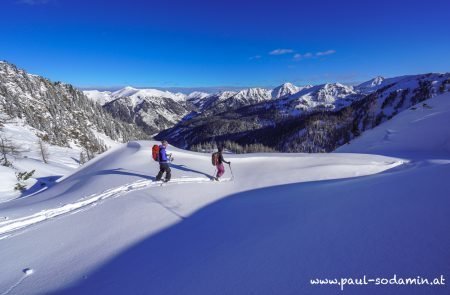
155 152
215 159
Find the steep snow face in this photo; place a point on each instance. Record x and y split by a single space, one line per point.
421 129
101 97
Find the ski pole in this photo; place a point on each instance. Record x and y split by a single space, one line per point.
231 170
214 173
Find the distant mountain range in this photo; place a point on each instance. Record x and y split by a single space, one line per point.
287 118
313 119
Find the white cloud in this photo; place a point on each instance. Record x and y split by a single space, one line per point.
281 51
328 52
299 56
255 57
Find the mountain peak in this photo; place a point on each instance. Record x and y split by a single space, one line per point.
285 89
376 81
371 85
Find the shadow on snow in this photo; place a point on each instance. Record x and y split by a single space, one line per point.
274 240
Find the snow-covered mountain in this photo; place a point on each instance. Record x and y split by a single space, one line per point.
319 118
371 85
60 113
326 96
196 95
231 100
101 97
207 102
242 98
151 109
286 89
135 94
140 94
229 115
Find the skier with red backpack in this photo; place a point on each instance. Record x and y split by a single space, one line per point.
218 160
159 154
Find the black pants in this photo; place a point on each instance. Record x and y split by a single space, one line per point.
163 167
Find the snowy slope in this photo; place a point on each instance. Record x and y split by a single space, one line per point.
421 129
61 160
283 220
111 204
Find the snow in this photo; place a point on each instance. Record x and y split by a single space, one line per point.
7 184
61 160
418 130
111 206
330 95
284 89
102 97
371 85
197 95
278 221
137 95
253 95
105 139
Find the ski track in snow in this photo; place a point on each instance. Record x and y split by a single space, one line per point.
12 225
26 272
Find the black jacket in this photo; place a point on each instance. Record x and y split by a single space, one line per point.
221 160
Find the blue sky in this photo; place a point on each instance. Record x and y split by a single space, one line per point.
192 43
